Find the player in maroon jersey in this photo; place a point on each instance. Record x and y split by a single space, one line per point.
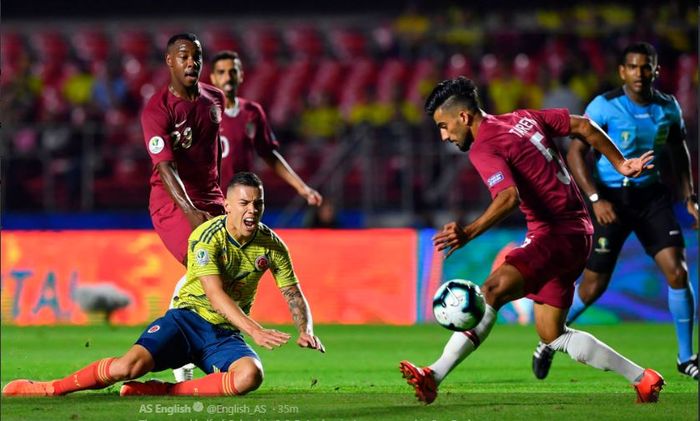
245 130
181 129
517 159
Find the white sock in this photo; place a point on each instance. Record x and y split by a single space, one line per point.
461 344
179 285
185 372
584 347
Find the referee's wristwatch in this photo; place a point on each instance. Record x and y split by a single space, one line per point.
594 197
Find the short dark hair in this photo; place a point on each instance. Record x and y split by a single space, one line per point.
187 36
245 178
639 48
448 92
224 55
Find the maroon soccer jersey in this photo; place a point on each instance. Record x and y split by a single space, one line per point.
187 133
516 149
244 131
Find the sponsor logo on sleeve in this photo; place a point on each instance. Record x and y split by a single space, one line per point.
202 257
156 145
154 329
495 179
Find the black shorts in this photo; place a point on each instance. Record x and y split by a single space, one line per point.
646 211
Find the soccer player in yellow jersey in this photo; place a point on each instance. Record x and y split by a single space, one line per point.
227 256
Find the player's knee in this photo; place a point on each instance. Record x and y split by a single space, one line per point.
678 278
248 378
592 288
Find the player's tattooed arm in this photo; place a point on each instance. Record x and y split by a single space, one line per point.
301 314
298 307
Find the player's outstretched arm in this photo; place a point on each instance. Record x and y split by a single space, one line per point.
603 210
224 305
176 189
588 130
301 314
282 168
453 236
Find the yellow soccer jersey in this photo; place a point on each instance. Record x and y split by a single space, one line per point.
212 250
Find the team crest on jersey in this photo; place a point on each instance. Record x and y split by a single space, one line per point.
215 114
602 245
495 179
154 329
250 129
262 263
156 145
202 257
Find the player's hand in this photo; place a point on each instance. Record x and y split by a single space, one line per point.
452 237
692 207
635 166
312 197
197 217
310 341
270 338
604 212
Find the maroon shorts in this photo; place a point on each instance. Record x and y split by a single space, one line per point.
550 264
174 229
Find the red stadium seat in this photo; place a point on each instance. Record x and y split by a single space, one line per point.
304 41
91 45
348 44
262 43
135 44
218 39
458 65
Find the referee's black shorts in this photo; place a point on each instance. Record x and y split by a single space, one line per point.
646 211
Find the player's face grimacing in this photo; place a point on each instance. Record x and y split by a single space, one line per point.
244 208
454 125
227 75
185 61
638 72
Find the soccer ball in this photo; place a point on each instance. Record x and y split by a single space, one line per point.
458 305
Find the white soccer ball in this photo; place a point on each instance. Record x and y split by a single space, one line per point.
458 305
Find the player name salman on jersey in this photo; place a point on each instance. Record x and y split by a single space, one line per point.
213 251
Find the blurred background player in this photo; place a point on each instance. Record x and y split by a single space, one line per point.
207 322
181 129
515 156
245 130
638 118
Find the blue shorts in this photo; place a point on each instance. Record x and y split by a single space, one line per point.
181 336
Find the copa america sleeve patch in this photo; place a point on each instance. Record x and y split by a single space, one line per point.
495 179
202 257
156 145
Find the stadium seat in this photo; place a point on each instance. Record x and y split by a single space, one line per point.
348 44
303 41
91 45
218 39
262 44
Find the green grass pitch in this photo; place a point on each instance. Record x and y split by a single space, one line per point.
358 379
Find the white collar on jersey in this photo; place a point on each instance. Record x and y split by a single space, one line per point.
233 111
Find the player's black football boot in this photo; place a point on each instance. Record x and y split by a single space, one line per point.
542 360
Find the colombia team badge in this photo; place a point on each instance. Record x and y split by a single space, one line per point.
261 263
